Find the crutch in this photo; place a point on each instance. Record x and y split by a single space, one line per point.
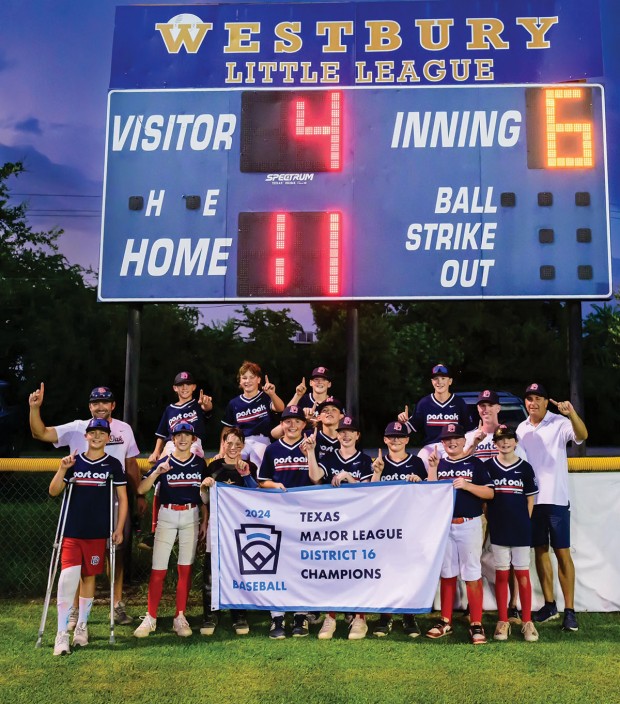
60 531
112 560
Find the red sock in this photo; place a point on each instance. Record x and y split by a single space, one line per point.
183 586
332 614
474 597
525 594
156 587
501 593
156 505
447 592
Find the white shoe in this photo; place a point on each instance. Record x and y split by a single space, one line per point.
358 628
181 627
148 626
530 634
502 630
73 618
328 628
80 635
61 645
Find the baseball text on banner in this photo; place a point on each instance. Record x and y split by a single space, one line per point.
365 547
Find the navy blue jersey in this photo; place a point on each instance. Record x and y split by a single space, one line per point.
251 415
285 464
473 470
227 473
359 466
189 412
508 517
430 416
89 508
308 401
181 483
399 471
325 446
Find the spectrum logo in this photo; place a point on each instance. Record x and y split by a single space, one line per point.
183 31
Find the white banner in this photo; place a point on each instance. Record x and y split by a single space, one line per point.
357 548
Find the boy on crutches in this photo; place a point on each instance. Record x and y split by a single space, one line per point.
87 526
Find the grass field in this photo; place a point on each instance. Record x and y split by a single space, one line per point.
561 667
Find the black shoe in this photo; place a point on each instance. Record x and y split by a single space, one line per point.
570 621
208 625
514 616
410 626
313 617
548 612
300 626
384 626
277 632
241 627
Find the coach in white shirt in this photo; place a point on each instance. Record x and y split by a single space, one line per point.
544 436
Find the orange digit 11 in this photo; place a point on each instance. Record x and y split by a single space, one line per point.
569 144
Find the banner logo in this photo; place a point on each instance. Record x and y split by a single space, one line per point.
258 548
187 31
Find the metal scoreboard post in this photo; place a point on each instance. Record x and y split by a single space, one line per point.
356 193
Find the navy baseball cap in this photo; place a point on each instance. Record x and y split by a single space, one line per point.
293 412
488 396
321 371
101 393
396 429
183 427
330 401
440 370
536 390
183 378
98 424
347 423
504 431
452 430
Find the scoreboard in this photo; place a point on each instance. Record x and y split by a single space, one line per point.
356 193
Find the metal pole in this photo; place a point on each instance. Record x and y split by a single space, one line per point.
575 361
132 366
353 361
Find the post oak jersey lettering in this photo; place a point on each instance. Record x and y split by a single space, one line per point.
399 471
430 416
285 464
251 415
466 505
181 483
189 412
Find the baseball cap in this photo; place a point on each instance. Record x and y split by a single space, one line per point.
183 427
101 393
440 370
536 390
321 371
183 378
488 396
347 423
503 431
98 424
396 429
330 401
293 412
452 430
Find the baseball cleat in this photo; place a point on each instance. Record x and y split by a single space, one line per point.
502 630
530 634
358 629
410 626
300 626
180 626
276 631
476 635
328 628
514 616
439 630
148 626
384 626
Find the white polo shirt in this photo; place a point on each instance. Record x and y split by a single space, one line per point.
545 445
121 444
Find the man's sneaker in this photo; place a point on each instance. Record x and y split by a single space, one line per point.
530 634
476 635
514 616
146 542
410 626
300 626
148 626
240 626
548 612
383 627
570 621
61 644
502 630
277 632
313 617
208 626
439 630
358 628
80 635
180 626
73 618
120 615
328 628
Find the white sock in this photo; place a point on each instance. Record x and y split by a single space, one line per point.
86 604
68 584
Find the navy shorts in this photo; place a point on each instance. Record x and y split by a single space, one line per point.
551 526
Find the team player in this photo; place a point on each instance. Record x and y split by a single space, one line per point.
330 413
121 444
474 486
435 411
510 528
397 465
544 436
179 476
251 411
87 527
320 385
285 465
